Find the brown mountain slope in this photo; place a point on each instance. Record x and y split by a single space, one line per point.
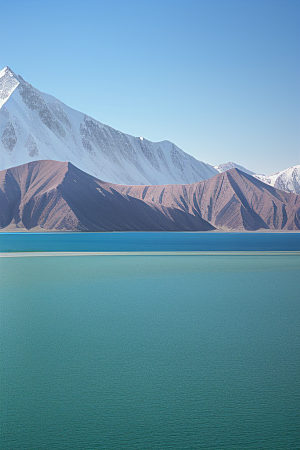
231 200
58 196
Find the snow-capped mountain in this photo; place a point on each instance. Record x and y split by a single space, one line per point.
231 165
37 126
287 180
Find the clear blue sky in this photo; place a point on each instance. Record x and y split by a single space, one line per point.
220 78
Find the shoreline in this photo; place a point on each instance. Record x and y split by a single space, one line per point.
216 231
175 253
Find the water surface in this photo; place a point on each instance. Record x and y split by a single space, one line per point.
145 352
145 241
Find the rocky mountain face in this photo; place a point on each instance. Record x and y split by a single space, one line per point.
36 126
232 200
52 195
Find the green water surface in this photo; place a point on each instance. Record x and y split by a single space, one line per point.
150 352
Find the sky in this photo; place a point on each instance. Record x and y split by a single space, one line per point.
219 78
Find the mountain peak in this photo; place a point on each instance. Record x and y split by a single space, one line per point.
8 83
231 165
37 125
8 72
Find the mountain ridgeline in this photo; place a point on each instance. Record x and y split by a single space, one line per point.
36 126
51 195
159 187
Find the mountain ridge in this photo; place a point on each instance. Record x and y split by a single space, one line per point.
287 180
231 165
58 196
37 126
232 199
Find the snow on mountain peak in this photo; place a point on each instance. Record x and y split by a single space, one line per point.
36 126
8 83
7 70
231 165
287 180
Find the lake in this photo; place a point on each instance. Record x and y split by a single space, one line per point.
146 241
150 352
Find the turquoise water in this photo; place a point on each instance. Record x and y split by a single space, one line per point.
146 352
127 242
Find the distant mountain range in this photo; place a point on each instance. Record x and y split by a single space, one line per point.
36 126
287 180
54 158
51 195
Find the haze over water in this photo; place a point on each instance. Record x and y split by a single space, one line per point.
146 352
